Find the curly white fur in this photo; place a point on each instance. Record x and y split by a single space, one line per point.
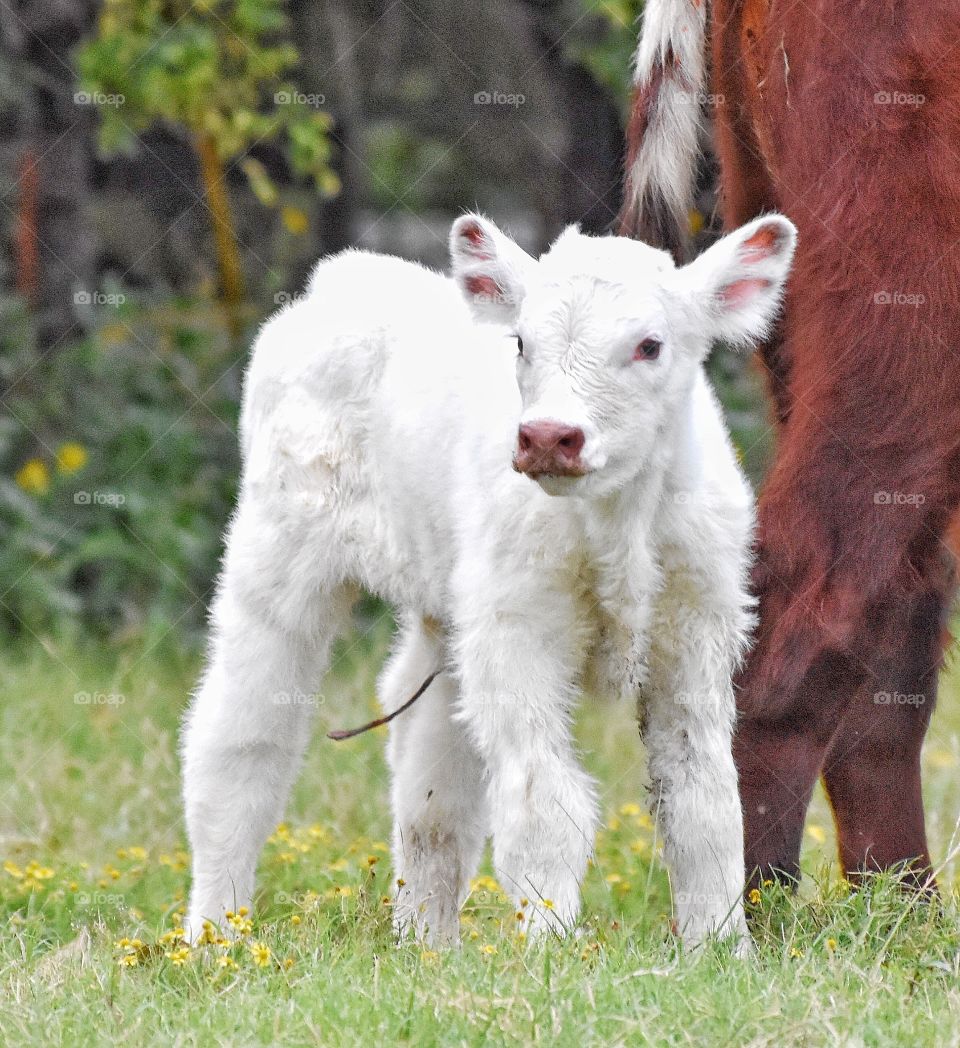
379 421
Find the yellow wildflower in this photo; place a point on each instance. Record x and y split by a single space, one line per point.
754 896
295 220
113 334
71 457
831 944
489 950
34 477
260 953
179 956
208 935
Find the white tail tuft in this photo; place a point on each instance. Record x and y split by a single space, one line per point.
665 123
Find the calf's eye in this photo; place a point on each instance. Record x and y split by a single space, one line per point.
648 349
519 346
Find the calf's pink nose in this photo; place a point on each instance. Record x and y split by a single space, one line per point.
551 440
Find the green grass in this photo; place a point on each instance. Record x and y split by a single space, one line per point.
90 830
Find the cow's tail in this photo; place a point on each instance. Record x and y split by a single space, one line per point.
664 132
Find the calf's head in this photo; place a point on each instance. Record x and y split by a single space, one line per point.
609 335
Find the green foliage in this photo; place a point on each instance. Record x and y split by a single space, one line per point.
93 878
610 58
216 68
117 473
406 167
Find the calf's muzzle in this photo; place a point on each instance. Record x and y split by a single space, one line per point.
549 448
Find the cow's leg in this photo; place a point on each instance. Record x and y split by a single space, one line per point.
518 658
779 753
438 792
700 629
872 769
272 623
840 559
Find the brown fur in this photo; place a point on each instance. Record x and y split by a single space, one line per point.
854 587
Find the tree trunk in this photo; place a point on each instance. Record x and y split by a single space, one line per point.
51 241
229 267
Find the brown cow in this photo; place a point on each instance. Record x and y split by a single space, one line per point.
844 115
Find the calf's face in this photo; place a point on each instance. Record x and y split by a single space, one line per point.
609 335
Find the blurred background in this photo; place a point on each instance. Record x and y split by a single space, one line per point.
171 169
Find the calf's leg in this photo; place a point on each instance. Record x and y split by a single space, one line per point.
438 793
273 621
518 660
687 723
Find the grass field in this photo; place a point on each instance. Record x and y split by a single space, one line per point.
95 876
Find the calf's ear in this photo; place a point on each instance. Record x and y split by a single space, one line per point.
738 282
489 268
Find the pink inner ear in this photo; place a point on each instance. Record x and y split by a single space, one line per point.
485 287
474 235
761 245
740 292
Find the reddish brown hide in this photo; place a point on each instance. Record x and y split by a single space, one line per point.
845 115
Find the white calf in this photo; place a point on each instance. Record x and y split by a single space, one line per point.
379 425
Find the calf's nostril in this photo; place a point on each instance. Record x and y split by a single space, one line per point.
572 442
